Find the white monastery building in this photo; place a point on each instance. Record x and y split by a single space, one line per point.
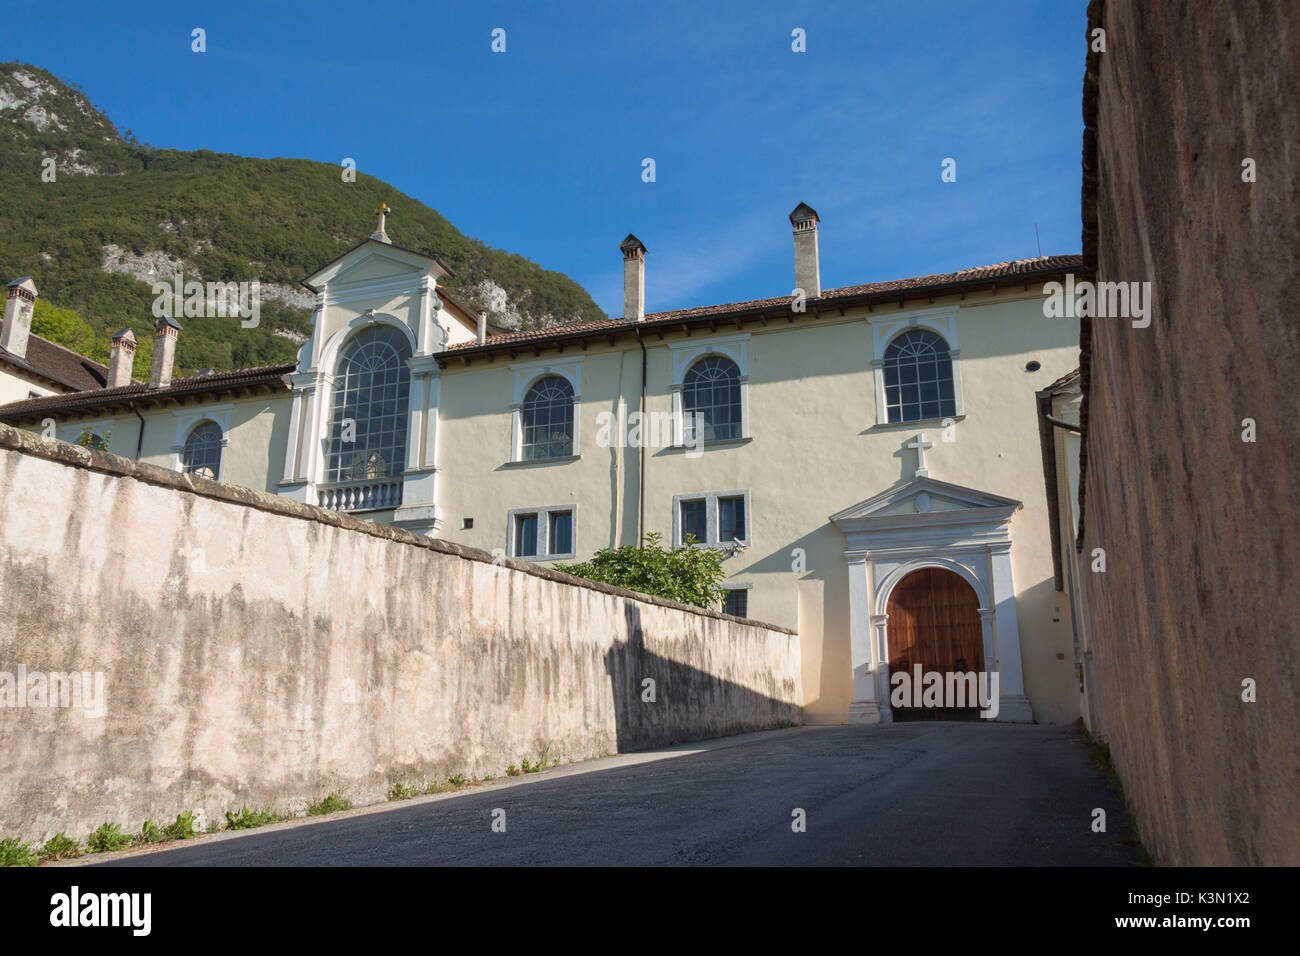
868 457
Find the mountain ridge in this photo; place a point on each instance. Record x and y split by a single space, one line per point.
120 214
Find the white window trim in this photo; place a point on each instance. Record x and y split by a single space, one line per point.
189 418
543 533
885 327
687 353
710 499
526 375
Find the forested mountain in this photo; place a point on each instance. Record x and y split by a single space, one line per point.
120 215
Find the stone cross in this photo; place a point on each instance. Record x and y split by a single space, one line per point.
379 233
920 444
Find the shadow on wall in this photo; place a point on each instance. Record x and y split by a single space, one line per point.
659 702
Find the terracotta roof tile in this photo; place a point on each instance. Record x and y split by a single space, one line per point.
191 385
52 361
999 270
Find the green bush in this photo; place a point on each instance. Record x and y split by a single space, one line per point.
688 575
61 847
150 832
247 819
107 838
331 804
13 853
182 829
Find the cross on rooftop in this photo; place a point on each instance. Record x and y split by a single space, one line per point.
920 444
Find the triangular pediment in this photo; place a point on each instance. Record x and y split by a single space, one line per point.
372 260
925 500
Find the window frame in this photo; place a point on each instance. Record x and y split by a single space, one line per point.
885 328
543 515
738 423
685 356
712 517
737 589
401 416
526 375
221 447
942 361
552 404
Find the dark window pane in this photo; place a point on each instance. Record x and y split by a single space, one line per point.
694 521
731 519
736 602
711 390
525 536
561 532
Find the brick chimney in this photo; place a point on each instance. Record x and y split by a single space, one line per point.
165 331
482 326
121 356
633 279
807 272
20 300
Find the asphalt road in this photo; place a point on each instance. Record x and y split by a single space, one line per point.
921 794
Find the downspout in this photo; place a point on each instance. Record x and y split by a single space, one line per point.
139 442
640 511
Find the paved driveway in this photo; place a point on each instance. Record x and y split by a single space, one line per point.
898 794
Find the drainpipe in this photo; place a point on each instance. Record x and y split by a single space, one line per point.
640 511
139 442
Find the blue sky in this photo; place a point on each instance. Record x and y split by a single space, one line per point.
539 150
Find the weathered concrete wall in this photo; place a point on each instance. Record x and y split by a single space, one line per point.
1200 528
261 652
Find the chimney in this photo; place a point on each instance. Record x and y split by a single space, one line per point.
164 351
807 272
120 358
20 300
482 326
633 279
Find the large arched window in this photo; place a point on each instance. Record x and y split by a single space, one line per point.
918 377
711 397
548 419
369 414
202 454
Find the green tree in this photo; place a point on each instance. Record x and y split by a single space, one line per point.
689 574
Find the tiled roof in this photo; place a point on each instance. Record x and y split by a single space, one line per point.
1001 270
140 391
54 362
1066 379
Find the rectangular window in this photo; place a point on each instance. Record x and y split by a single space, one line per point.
694 520
736 602
561 537
525 536
731 519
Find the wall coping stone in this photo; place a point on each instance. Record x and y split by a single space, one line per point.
66 453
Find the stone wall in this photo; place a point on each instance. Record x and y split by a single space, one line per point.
1201 530
257 651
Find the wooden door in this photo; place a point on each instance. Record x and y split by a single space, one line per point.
934 621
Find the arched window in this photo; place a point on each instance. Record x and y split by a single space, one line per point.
918 377
712 389
202 455
369 415
548 419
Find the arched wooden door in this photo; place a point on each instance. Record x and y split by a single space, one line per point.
934 621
